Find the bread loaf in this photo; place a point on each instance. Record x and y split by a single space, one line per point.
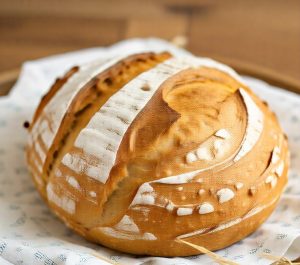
140 151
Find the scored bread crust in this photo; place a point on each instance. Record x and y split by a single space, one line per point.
158 149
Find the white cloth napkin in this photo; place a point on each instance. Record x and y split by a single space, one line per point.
30 234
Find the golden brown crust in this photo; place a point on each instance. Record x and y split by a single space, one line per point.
59 82
170 248
93 95
199 120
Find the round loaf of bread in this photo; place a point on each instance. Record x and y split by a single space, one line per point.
140 152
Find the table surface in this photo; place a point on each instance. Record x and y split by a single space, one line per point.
261 34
